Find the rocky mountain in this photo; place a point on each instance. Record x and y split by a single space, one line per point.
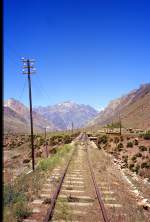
57 117
63 114
133 108
17 118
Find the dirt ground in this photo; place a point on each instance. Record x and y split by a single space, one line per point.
115 190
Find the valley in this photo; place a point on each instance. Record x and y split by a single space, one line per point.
88 164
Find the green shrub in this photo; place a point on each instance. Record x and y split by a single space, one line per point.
144 165
11 196
125 158
21 211
136 168
131 165
136 142
129 144
119 146
67 139
134 158
53 141
99 147
63 138
116 140
121 138
146 136
102 139
139 154
15 204
30 183
39 141
143 148
51 162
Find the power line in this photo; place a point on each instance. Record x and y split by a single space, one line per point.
22 91
42 88
37 87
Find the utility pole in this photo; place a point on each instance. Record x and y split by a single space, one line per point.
72 127
120 125
112 125
46 143
29 69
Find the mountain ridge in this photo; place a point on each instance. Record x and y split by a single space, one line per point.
63 114
129 106
58 117
18 110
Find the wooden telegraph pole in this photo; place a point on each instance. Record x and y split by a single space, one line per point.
120 125
46 143
29 69
72 127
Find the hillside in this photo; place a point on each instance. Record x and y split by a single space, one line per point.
13 122
17 119
134 109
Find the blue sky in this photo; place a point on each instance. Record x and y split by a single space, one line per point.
87 51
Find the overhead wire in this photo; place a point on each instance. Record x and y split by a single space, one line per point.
23 89
42 88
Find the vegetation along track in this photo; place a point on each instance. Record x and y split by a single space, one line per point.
85 193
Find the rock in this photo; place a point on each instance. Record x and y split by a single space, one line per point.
146 180
16 156
124 166
26 160
39 153
47 201
144 204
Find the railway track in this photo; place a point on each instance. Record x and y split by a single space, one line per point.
83 191
77 197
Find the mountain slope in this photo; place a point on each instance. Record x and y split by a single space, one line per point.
134 109
13 122
17 118
63 114
57 117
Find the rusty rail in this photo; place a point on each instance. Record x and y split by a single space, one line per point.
99 196
56 193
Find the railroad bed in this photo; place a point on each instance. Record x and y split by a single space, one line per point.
77 200
83 192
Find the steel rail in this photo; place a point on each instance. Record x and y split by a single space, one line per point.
99 196
50 211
